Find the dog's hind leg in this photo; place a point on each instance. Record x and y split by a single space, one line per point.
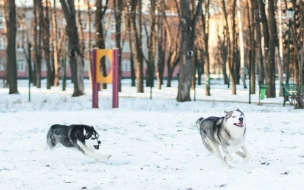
216 151
86 151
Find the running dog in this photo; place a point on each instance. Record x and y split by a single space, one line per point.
82 137
227 132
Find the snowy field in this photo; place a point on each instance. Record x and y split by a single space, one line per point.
154 143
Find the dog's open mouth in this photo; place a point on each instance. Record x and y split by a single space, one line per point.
240 124
96 147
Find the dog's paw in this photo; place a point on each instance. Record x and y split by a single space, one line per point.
246 159
228 157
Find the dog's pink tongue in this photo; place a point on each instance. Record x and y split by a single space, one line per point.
240 124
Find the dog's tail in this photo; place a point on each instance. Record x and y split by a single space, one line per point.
198 123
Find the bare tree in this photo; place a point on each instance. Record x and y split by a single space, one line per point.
205 31
137 30
229 46
233 46
89 43
75 55
270 63
151 42
172 45
38 20
118 8
242 54
46 42
251 27
11 47
258 39
55 45
161 44
129 20
188 25
298 38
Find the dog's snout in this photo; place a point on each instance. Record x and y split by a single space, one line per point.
241 119
98 142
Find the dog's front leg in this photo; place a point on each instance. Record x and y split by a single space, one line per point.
86 151
247 154
102 157
227 156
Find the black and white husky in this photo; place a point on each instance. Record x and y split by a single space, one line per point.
82 137
227 132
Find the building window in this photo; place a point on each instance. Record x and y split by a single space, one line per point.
20 46
2 42
92 26
126 47
84 26
125 65
113 26
2 64
43 66
85 66
20 65
2 24
113 44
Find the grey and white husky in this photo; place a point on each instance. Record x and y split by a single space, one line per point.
227 132
82 137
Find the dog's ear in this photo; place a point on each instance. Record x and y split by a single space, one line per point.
219 122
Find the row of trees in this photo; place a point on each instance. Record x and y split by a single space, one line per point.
250 36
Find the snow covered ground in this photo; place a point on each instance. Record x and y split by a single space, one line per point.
154 143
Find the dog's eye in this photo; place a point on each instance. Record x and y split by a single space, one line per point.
233 116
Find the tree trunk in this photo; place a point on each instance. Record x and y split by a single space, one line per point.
171 66
161 43
11 47
46 43
89 44
55 46
270 64
232 65
151 46
299 97
118 8
137 43
68 8
205 27
187 49
242 60
280 63
174 49
129 18
265 44
230 48
258 39
251 26
38 21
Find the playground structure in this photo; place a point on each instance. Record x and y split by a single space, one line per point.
111 78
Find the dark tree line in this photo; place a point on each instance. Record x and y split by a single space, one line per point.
181 41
